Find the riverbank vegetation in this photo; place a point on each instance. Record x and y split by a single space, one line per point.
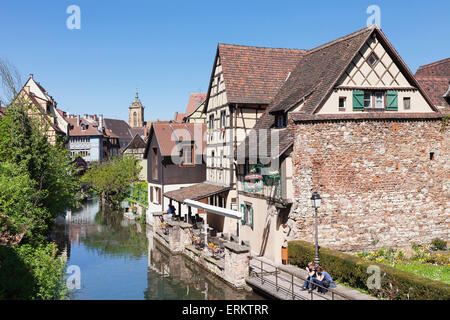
429 261
356 272
111 180
36 185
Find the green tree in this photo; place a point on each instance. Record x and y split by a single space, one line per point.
112 179
45 168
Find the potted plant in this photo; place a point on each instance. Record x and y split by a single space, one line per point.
134 210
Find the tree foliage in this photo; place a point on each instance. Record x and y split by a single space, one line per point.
36 185
112 179
36 179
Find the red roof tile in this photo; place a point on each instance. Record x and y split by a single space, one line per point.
195 100
253 75
169 133
439 68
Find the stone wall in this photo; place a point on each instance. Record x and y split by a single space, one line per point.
383 182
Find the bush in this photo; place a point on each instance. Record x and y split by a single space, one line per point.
395 284
31 273
439 244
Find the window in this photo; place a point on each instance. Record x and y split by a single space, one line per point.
281 121
247 214
155 164
158 195
373 59
212 159
151 194
211 122
188 155
223 119
342 103
367 99
379 100
406 103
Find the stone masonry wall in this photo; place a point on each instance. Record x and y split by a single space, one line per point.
378 184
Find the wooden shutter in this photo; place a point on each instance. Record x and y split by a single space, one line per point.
243 213
151 194
358 100
251 217
392 100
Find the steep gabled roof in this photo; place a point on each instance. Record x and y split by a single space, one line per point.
119 128
314 79
435 80
253 75
169 134
318 71
195 100
136 143
439 68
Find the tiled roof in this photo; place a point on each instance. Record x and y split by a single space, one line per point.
317 72
138 131
195 192
76 130
314 75
435 87
57 129
434 78
195 100
312 81
253 75
439 68
179 117
136 143
118 127
169 133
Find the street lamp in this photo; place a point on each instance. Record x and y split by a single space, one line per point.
315 202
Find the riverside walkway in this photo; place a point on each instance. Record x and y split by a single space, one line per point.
286 282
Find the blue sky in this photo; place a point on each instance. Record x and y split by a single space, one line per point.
166 48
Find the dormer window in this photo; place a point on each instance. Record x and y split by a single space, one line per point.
372 59
281 121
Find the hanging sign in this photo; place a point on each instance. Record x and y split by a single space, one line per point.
253 183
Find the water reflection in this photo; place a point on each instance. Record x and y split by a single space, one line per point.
119 260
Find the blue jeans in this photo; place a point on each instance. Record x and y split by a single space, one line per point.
308 282
320 283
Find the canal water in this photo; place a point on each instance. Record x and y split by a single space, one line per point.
119 260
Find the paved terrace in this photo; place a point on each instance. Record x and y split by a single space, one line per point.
277 280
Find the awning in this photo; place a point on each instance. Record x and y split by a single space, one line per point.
214 209
195 192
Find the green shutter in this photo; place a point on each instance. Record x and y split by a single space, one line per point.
358 100
392 100
251 217
243 213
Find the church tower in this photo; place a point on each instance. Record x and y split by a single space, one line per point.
136 113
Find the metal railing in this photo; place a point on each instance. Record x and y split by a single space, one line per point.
289 278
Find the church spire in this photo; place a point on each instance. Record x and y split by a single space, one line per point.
137 95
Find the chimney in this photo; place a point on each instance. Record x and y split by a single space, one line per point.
145 131
31 76
78 120
100 122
